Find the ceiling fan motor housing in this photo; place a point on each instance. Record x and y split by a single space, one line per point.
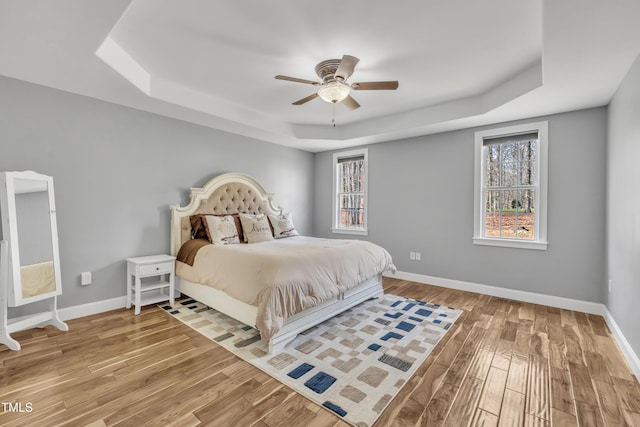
327 69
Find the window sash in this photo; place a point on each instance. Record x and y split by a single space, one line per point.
504 161
350 192
517 171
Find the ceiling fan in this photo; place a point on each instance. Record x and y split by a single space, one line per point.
334 87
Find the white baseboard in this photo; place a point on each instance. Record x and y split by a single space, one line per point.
535 298
629 354
514 294
82 310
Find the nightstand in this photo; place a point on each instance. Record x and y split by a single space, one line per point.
142 292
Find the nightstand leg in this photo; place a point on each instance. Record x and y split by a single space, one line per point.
171 289
138 295
128 287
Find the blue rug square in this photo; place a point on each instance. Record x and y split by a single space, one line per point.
423 312
394 315
300 371
405 326
320 382
335 408
389 335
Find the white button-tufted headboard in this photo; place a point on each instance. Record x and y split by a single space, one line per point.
230 193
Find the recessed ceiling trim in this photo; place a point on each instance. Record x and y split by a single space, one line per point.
178 94
520 84
164 90
118 59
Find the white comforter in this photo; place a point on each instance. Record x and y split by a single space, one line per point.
285 276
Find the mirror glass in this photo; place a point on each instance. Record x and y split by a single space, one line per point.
33 215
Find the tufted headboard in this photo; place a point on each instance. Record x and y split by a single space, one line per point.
229 193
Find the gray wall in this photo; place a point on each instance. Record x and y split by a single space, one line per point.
117 170
421 199
623 207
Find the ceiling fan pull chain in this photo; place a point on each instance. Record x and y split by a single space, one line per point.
333 114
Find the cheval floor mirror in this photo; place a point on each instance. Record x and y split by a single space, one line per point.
29 255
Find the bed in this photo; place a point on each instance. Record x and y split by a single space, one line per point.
281 286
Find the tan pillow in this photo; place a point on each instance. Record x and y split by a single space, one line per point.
282 225
221 230
256 228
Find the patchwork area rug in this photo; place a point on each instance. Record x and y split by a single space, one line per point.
353 364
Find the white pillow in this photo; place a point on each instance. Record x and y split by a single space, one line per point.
283 226
255 228
221 230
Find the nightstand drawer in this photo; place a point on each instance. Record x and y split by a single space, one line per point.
159 268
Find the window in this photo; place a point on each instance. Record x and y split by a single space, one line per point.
511 187
350 192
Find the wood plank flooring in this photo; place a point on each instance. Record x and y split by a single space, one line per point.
504 363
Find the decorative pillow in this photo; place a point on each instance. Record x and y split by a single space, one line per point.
197 227
256 228
236 219
282 226
199 231
221 230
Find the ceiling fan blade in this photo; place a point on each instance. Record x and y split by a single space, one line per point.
297 80
350 103
307 99
389 85
346 67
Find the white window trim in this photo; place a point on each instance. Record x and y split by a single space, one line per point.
336 221
540 243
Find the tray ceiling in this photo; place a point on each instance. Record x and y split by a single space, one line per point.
460 63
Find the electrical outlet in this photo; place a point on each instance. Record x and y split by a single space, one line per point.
85 278
418 256
412 256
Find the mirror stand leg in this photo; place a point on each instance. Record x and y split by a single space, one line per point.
55 319
5 338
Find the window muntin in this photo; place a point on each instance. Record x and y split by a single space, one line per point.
510 207
350 192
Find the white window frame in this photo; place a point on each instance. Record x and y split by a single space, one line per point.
364 152
540 240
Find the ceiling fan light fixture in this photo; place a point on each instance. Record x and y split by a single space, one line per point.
334 92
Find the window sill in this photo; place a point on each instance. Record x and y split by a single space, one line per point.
348 231
507 243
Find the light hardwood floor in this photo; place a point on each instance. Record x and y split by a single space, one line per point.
504 363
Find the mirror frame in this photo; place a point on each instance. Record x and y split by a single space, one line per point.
19 183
